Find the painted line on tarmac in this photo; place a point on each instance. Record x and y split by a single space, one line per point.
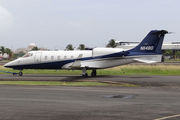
167 117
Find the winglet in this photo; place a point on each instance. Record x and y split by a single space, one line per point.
77 62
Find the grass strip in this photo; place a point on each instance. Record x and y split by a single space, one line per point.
120 70
51 83
172 60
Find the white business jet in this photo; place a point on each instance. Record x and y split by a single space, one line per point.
148 51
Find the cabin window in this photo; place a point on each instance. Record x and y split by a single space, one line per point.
65 57
27 55
45 57
72 57
52 57
58 57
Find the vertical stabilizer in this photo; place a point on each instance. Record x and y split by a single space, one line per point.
152 43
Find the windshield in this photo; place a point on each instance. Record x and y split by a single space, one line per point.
28 55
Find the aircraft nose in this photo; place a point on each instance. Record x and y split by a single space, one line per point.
8 65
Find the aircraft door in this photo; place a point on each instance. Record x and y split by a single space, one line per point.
38 57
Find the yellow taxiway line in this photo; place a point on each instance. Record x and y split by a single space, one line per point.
167 117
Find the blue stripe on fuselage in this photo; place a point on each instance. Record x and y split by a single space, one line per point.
59 64
48 65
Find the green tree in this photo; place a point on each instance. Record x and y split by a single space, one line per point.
69 47
35 48
111 43
3 50
81 47
9 52
168 52
177 53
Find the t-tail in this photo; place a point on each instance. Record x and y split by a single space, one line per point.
149 50
152 42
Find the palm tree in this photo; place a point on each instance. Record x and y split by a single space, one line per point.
69 47
2 49
81 47
9 52
112 43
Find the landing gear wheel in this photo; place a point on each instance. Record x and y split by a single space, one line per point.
93 73
85 75
20 73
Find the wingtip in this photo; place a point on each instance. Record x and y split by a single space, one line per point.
164 31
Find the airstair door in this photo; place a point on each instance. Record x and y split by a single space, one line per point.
38 57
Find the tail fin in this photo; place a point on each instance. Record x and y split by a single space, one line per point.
151 43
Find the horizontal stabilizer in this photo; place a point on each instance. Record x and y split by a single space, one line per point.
145 61
149 59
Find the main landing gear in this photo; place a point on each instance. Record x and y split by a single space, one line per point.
84 74
93 73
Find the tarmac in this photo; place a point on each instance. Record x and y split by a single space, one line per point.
156 99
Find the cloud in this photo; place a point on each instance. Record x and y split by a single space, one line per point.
6 19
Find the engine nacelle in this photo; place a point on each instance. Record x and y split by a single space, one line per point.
104 51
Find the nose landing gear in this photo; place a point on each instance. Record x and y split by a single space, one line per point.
20 73
14 73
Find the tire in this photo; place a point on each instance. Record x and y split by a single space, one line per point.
93 73
85 75
20 73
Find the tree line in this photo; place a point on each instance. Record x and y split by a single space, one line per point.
70 47
111 43
169 52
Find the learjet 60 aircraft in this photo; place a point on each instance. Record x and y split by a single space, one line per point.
148 51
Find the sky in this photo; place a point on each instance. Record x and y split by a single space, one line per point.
54 24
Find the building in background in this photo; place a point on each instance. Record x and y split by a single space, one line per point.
29 48
22 51
175 46
4 56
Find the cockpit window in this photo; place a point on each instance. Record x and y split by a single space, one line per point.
27 55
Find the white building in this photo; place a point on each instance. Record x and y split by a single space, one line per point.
165 46
5 55
27 49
